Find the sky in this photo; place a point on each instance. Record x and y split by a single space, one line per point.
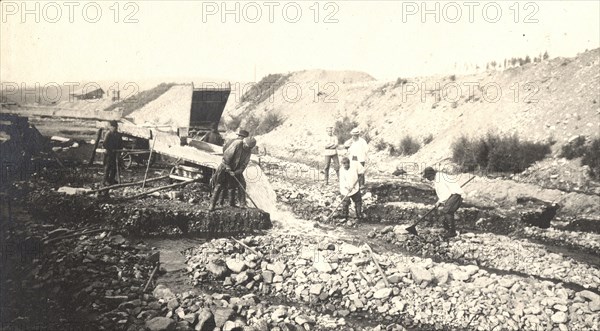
243 41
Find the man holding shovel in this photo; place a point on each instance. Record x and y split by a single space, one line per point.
349 187
230 172
449 198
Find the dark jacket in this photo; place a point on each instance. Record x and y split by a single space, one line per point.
112 141
236 157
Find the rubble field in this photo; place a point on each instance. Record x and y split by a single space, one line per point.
83 262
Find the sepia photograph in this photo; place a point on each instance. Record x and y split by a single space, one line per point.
299 165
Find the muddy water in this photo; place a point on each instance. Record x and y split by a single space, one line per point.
173 261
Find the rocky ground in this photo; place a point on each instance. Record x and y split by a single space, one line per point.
76 261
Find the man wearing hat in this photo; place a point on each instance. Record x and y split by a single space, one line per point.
449 198
330 154
112 142
230 173
240 135
357 153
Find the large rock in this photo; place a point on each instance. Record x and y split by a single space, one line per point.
278 267
222 315
322 266
382 293
559 317
206 321
163 292
217 269
440 274
236 265
161 324
420 274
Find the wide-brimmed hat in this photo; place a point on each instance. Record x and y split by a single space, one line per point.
243 133
429 171
355 131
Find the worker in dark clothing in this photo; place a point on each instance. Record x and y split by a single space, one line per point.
230 172
112 143
213 136
240 135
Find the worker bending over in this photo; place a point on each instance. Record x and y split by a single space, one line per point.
449 195
230 173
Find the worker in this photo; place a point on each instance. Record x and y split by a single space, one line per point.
240 135
449 195
225 190
357 153
230 173
349 188
213 136
330 154
112 143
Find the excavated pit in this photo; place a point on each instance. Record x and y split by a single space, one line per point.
183 212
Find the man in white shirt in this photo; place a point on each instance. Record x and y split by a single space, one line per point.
349 188
357 153
330 154
449 198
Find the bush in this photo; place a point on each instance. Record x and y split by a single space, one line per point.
497 154
380 145
251 123
234 123
343 127
574 148
591 158
271 121
262 90
428 139
409 146
400 81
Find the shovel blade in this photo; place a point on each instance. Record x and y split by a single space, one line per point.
412 230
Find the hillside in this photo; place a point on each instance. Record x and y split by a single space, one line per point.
556 100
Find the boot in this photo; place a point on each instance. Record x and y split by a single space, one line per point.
359 214
345 209
215 197
224 194
242 199
232 197
327 178
450 227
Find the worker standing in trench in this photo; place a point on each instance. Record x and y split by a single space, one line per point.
357 153
449 198
230 173
112 143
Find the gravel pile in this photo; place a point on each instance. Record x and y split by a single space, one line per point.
340 279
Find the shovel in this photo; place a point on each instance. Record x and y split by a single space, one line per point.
245 192
413 228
